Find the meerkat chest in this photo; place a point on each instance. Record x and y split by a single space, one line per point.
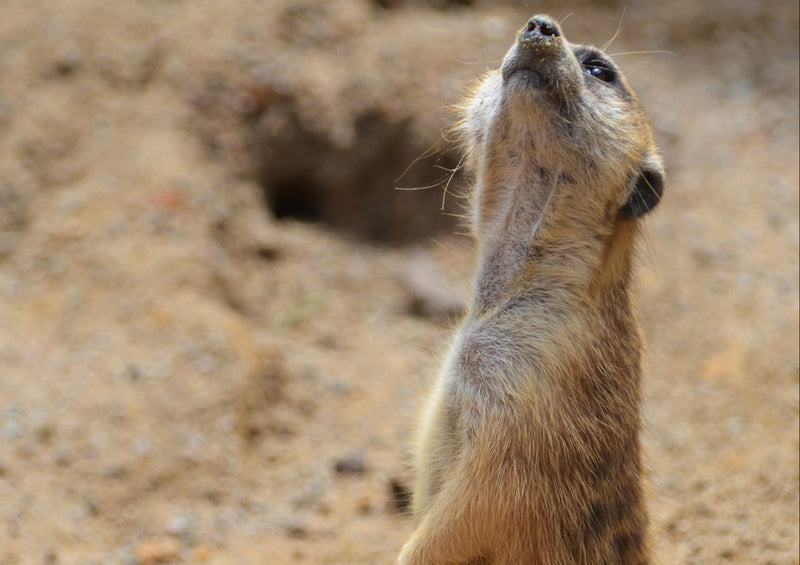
493 361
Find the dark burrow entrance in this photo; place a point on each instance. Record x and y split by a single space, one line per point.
354 189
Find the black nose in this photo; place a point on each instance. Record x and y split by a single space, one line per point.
540 27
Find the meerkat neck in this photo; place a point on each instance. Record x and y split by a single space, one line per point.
523 250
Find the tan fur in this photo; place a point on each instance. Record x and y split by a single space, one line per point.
528 449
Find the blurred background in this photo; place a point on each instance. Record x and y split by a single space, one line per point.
218 316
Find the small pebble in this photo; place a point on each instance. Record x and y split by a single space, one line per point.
11 428
296 531
62 458
180 526
117 472
131 373
157 551
364 507
50 557
141 446
90 504
201 554
350 465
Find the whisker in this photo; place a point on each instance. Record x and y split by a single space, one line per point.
444 136
427 153
452 174
493 62
652 188
619 29
650 256
449 248
653 52
426 187
454 215
448 169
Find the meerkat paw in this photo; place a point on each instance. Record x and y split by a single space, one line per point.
404 557
413 553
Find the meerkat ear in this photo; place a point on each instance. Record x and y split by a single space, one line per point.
645 188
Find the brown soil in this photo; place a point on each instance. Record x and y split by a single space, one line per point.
217 318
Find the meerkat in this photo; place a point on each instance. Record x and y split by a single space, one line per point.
528 450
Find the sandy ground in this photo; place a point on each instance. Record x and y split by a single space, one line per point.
209 349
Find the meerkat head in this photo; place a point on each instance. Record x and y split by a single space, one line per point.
561 114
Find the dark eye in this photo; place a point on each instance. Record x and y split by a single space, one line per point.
599 70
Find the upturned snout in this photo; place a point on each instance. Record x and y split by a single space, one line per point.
542 57
540 29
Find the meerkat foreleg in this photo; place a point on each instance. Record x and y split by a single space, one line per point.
459 521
